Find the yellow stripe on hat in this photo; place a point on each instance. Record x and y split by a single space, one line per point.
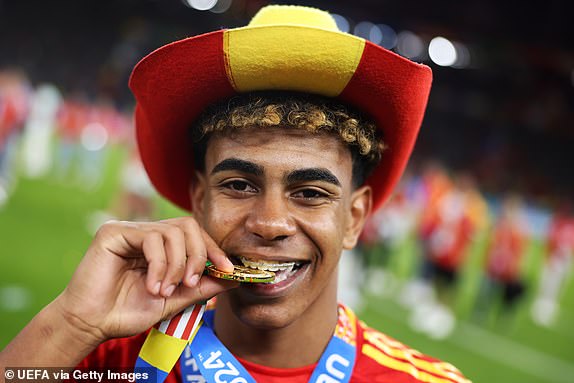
161 350
292 48
294 15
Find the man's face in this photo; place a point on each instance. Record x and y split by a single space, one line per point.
282 199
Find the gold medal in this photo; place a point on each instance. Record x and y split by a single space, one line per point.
241 274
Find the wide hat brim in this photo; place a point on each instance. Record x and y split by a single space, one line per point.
176 82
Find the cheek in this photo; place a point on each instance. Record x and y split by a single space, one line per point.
221 217
328 239
327 232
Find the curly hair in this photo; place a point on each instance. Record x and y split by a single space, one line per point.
312 113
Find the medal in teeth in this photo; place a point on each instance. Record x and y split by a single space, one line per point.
240 274
282 270
254 271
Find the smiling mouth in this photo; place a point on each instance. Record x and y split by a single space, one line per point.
282 270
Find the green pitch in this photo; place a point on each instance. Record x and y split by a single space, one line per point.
44 233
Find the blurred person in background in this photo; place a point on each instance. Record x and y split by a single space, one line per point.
71 118
393 223
386 233
134 199
431 186
503 282
454 214
275 180
14 106
38 133
557 265
136 195
446 231
94 139
84 131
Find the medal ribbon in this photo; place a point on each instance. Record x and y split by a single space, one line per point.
206 359
167 340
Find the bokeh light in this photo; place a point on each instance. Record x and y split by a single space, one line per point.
410 45
389 36
94 137
369 31
442 51
376 35
201 5
342 22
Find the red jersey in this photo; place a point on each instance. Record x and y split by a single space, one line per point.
72 117
561 237
379 359
9 119
506 251
447 232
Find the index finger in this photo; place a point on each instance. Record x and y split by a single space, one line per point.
216 255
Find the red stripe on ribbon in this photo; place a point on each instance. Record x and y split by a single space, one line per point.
173 322
191 322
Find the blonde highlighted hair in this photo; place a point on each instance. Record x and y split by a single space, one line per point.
314 114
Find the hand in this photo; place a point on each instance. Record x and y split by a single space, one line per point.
137 274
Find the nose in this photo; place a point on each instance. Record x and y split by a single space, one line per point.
270 218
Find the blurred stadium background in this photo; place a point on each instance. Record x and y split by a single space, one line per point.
471 261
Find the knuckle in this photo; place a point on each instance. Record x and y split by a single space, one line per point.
202 256
189 220
160 263
106 229
198 257
189 226
180 265
152 237
173 232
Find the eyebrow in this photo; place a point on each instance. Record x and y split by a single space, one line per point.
313 174
238 165
299 175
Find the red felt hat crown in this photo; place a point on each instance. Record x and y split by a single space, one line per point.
283 48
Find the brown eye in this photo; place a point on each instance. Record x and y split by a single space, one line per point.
309 194
240 186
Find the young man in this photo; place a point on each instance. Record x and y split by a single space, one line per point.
256 131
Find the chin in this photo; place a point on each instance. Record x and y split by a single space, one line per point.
280 305
264 316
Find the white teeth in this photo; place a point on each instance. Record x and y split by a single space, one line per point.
268 266
280 278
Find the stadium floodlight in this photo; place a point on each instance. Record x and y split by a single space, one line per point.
201 5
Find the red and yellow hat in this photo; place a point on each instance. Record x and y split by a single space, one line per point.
283 48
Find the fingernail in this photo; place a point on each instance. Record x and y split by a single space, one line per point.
230 266
169 291
193 280
157 287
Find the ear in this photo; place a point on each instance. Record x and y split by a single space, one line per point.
197 194
361 205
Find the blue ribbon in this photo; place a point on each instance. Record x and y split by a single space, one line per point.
206 359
